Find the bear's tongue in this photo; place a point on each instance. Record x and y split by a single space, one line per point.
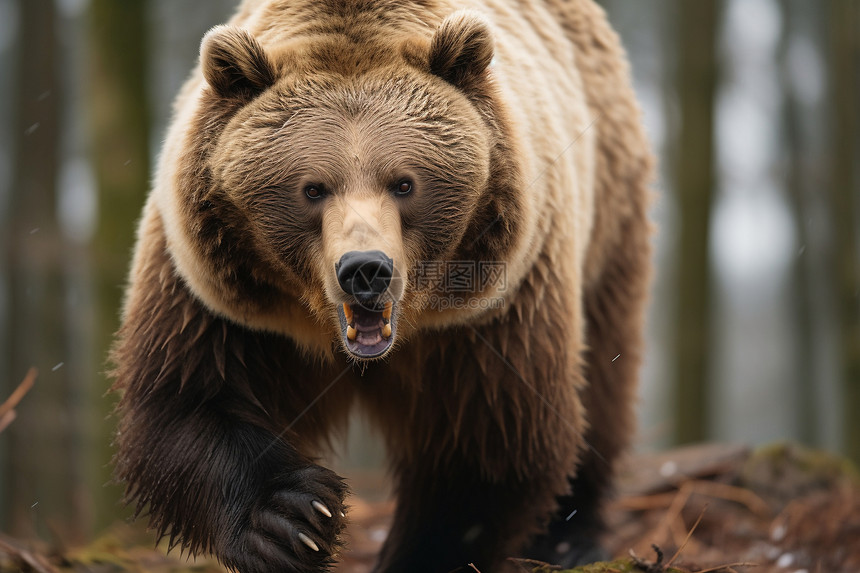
368 326
367 332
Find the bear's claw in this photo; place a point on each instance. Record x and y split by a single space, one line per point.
295 528
308 541
321 508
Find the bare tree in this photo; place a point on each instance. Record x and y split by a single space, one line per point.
843 193
120 129
796 178
696 82
36 330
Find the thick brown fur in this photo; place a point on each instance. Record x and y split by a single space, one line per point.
515 125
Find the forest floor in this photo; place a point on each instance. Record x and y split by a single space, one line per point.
707 508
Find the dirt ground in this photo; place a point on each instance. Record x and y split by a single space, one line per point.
779 509
704 508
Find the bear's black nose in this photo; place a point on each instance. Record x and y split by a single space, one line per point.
364 274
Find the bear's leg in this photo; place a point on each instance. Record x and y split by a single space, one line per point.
614 308
480 455
440 522
215 483
448 518
209 432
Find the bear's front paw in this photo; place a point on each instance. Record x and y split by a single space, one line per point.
296 528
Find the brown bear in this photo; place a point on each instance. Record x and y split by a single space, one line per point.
434 210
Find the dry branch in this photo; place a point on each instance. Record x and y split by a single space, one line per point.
7 409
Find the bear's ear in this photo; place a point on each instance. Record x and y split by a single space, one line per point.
234 63
462 48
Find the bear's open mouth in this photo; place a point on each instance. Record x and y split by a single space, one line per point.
367 331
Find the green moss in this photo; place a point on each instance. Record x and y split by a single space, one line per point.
791 469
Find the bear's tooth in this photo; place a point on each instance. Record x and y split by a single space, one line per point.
386 312
308 541
321 508
347 312
351 333
386 330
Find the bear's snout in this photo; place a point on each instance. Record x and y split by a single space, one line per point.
365 275
367 323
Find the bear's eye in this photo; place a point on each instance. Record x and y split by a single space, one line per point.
403 188
314 191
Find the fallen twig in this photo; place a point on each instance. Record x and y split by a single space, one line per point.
728 566
36 562
7 409
689 535
519 561
701 487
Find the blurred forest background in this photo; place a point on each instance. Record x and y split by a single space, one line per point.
754 332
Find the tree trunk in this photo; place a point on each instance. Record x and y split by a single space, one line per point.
795 174
39 481
843 191
694 182
120 129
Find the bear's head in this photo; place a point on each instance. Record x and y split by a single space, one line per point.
318 180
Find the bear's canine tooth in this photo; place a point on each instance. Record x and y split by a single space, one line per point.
321 508
308 541
386 312
347 313
386 330
351 333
